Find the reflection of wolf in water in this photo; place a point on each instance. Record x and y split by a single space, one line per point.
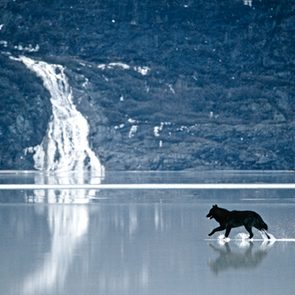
229 259
230 219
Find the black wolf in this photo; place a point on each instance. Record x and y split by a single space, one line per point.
229 219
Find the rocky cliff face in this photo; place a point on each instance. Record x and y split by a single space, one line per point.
164 85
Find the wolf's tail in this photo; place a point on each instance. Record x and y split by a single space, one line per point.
260 224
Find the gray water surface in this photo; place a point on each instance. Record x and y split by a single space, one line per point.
143 242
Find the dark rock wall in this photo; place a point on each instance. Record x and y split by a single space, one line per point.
24 113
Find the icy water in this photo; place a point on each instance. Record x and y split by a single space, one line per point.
135 241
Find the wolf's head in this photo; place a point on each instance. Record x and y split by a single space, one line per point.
212 211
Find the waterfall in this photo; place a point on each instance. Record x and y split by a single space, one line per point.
65 146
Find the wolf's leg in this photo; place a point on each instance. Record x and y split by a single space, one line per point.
228 229
249 230
219 228
265 232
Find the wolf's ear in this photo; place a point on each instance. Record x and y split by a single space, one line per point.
214 206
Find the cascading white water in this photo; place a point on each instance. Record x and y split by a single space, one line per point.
65 146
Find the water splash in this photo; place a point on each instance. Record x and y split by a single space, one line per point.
222 240
244 237
265 238
65 146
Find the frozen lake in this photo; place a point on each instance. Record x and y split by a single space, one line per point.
137 241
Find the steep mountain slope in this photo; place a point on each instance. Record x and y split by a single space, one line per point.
164 84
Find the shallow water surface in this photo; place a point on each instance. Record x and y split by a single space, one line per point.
143 242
